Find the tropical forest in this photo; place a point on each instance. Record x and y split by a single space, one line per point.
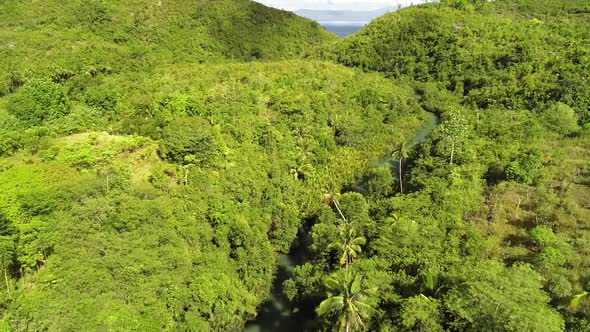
220 165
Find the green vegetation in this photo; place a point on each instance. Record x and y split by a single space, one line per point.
62 41
155 157
205 172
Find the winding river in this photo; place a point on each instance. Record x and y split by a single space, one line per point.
276 314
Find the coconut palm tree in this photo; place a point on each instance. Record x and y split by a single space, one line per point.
349 244
346 300
332 198
401 153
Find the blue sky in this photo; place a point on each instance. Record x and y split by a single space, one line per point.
337 4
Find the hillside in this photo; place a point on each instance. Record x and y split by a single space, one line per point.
343 15
63 40
490 229
172 165
204 172
511 55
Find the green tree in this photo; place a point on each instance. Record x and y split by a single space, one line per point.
561 119
527 168
453 130
332 198
401 153
491 297
349 245
347 300
37 101
189 136
380 182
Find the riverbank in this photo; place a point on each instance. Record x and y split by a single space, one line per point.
276 313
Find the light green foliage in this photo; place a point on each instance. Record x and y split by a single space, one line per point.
420 313
526 169
543 236
561 119
152 166
495 298
156 224
453 130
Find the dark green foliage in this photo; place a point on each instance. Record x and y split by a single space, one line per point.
527 168
38 101
380 182
187 140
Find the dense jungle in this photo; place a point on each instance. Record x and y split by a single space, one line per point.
185 165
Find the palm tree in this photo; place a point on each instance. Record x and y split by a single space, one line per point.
331 198
346 299
432 282
7 252
349 244
402 153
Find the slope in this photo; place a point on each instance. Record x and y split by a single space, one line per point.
170 221
63 40
490 231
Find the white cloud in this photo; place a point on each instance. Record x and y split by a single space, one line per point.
337 4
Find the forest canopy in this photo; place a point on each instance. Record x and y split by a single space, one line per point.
158 159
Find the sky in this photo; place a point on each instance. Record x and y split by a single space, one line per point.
336 4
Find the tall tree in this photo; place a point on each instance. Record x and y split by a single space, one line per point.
349 244
347 300
401 152
332 198
7 252
454 129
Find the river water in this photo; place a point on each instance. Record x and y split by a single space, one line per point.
276 314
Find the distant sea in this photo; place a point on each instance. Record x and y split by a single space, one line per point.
343 28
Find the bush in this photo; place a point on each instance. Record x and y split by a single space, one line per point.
561 119
525 169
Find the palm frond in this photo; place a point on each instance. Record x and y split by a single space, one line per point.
333 284
356 286
331 304
577 299
361 241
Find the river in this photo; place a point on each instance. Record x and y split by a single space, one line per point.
276 314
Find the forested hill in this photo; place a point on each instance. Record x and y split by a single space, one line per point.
151 167
156 158
505 54
63 39
487 225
